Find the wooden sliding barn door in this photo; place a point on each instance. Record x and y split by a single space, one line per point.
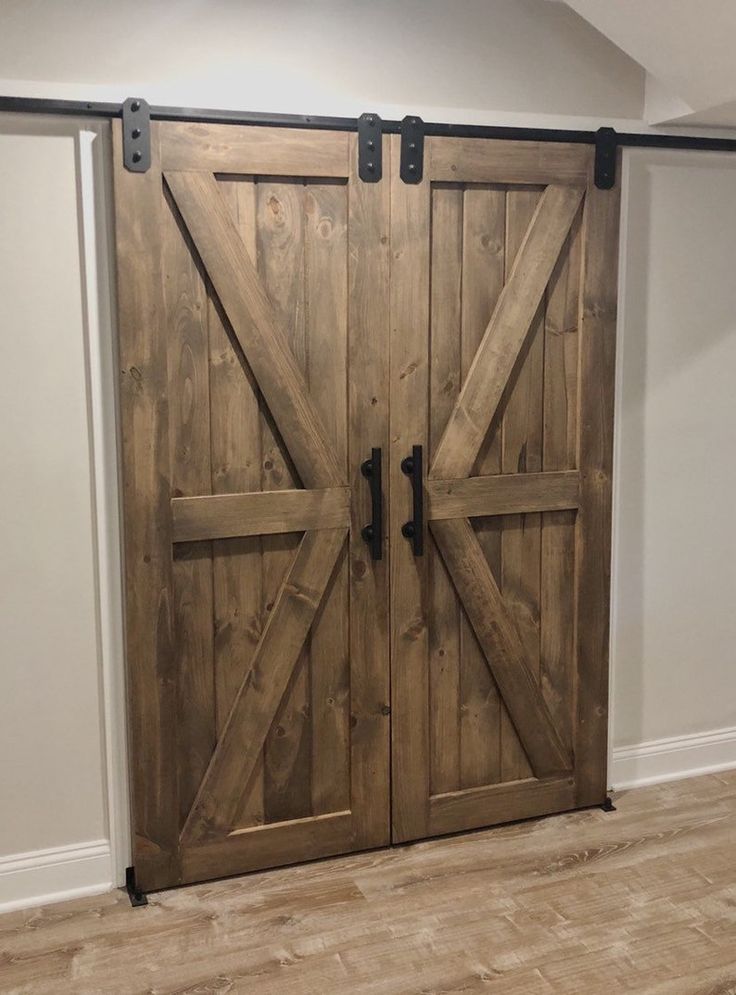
503 295
253 268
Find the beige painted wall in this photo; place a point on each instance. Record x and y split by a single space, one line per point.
55 632
47 568
461 59
674 625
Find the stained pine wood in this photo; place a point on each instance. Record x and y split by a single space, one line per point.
326 289
557 633
521 453
258 513
368 426
185 302
593 546
271 389
224 148
259 331
504 499
483 263
445 381
245 730
497 161
508 494
295 330
506 332
499 638
281 246
508 800
235 437
152 666
638 900
408 383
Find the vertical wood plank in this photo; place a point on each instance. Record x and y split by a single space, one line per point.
561 355
557 635
409 381
236 467
326 337
151 664
368 426
593 548
483 276
522 453
445 374
185 302
280 212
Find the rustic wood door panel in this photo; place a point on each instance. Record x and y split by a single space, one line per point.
278 320
503 283
253 344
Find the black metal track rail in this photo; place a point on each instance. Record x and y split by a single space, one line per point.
81 108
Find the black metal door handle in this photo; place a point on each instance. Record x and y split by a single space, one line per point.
373 533
414 528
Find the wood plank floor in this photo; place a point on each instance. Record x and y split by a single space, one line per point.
641 900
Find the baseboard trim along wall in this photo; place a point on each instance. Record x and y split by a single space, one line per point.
671 759
55 875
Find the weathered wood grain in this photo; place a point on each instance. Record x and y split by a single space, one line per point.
503 494
408 384
144 417
235 440
242 738
506 332
225 148
188 392
327 371
256 325
501 644
258 513
445 378
595 460
639 900
521 453
483 260
368 426
474 160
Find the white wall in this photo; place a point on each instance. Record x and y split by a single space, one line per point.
59 569
466 59
674 625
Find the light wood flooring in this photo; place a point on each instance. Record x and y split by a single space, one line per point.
641 900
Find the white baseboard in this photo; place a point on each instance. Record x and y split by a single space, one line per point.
672 759
55 875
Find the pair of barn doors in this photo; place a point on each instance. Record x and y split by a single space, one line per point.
367 439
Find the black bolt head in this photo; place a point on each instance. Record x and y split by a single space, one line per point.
135 106
136 133
136 157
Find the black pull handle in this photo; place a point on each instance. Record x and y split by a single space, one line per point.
373 533
414 528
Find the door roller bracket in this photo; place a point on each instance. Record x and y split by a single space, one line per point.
411 168
370 148
136 116
606 150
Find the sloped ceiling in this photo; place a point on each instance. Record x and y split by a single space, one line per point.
687 49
